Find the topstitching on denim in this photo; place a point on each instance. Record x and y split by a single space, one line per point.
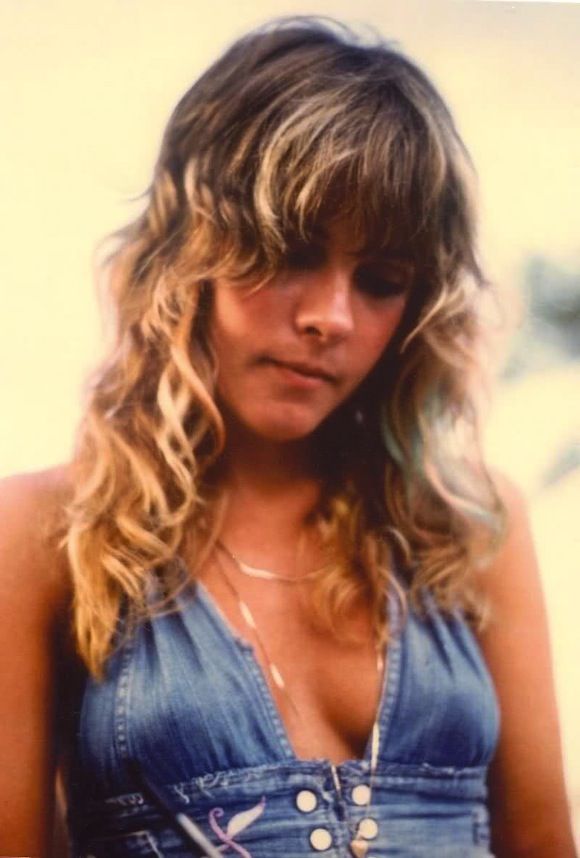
188 698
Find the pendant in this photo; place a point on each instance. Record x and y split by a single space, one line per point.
359 847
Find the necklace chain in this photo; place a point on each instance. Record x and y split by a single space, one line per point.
264 574
359 845
249 620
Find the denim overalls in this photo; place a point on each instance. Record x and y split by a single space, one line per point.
188 700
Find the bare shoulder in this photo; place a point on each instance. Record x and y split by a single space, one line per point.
527 794
34 654
514 565
517 623
36 490
32 563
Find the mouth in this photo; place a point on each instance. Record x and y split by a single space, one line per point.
304 370
302 375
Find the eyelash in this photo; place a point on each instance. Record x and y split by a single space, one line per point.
375 283
380 285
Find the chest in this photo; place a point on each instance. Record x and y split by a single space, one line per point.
182 698
187 698
325 687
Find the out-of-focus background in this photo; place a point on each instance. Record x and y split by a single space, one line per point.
85 90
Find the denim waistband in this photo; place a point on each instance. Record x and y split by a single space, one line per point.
392 785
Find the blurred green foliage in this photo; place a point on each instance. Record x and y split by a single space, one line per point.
550 331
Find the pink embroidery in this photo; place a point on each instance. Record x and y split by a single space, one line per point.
238 822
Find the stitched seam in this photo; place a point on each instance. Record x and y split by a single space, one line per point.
122 701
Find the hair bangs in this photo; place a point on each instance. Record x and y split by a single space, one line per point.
294 127
359 151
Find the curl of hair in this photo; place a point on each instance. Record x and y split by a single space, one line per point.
296 123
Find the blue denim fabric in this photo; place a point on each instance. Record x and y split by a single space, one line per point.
187 698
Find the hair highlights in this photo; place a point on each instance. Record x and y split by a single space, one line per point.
296 123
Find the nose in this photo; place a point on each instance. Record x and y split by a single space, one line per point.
325 307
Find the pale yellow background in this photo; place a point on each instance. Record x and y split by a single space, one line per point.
85 88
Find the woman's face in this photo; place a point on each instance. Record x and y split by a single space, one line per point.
290 352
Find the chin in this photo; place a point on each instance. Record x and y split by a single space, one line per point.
284 433
284 426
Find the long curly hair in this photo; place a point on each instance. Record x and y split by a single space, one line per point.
296 122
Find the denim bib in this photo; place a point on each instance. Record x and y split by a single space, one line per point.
187 698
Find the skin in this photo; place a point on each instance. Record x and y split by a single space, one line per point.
314 314
528 804
331 311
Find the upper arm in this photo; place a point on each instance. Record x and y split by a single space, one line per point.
527 796
33 598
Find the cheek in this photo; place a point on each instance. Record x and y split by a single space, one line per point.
381 329
229 327
240 318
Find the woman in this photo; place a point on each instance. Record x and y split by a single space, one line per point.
296 618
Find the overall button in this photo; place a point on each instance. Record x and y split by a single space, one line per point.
368 828
361 794
306 801
320 839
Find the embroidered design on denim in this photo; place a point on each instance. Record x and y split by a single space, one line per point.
238 823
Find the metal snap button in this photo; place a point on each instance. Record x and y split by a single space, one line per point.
368 828
306 801
320 839
361 794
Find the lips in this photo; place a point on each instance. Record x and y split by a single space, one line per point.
306 369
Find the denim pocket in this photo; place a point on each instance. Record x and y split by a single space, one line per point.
138 843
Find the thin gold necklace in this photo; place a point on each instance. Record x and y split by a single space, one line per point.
264 574
360 844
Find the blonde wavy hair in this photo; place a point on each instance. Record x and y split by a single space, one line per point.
296 122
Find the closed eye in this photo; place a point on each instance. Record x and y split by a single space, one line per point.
379 277
389 281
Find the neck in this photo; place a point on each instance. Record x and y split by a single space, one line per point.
271 489
266 467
